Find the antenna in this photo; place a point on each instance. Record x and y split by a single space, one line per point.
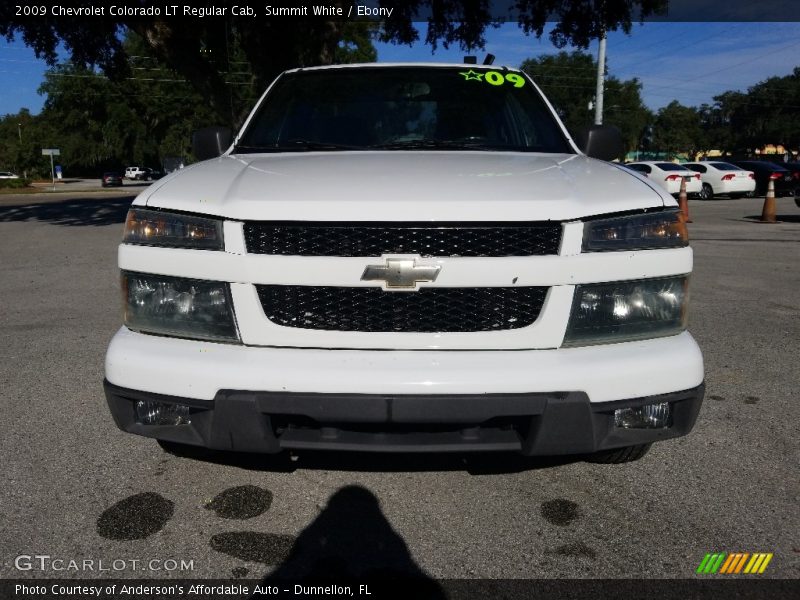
489 60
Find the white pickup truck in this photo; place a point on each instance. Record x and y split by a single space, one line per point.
409 258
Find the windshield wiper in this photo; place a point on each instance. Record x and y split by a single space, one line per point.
295 146
244 149
312 145
431 144
421 144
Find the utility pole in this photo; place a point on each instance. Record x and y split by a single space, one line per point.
601 75
19 131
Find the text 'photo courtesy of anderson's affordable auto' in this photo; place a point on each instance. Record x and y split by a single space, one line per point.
406 258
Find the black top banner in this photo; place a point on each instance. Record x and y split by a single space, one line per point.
420 10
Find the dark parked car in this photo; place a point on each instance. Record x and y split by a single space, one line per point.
794 169
111 178
764 171
152 173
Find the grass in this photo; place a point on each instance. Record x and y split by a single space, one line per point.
14 184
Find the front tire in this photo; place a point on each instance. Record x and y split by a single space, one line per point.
619 455
706 192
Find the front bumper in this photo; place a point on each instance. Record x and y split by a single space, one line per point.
531 424
536 402
199 370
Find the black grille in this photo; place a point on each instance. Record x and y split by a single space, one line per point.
425 239
426 310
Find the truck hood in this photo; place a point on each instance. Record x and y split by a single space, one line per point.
403 186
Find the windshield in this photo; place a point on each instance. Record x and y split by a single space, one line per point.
400 108
725 166
670 167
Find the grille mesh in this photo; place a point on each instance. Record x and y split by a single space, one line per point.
371 309
425 239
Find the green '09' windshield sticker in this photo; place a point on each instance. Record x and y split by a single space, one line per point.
494 77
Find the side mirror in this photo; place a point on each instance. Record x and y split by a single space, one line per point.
601 141
210 142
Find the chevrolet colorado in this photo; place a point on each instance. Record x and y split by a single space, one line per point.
408 258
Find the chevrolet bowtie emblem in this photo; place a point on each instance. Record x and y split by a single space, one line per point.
401 273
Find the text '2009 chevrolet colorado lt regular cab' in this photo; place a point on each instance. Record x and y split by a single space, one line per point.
405 258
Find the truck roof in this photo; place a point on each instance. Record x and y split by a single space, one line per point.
401 64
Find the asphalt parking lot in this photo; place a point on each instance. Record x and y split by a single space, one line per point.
76 488
73 185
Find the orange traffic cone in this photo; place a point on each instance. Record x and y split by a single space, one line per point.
768 212
683 202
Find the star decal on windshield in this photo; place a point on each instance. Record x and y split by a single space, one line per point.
472 75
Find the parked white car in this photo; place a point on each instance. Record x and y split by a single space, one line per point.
138 173
406 258
669 175
722 178
8 175
133 172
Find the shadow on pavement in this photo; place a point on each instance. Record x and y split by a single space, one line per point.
107 211
780 218
493 463
350 539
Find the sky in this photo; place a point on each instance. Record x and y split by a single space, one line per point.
688 62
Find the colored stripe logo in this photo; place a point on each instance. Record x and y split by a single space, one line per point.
734 563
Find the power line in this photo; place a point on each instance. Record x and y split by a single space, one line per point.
669 39
744 62
667 57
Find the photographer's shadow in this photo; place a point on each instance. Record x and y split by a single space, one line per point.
352 543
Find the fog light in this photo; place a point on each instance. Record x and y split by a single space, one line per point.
159 413
649 416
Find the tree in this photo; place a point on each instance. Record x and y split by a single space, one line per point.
22 137
569 81
768 114
677 129
199 48
78 109
625 108
102 124
715 120
356 44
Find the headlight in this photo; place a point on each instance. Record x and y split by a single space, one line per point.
178 307
664 229
160 228
622 311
